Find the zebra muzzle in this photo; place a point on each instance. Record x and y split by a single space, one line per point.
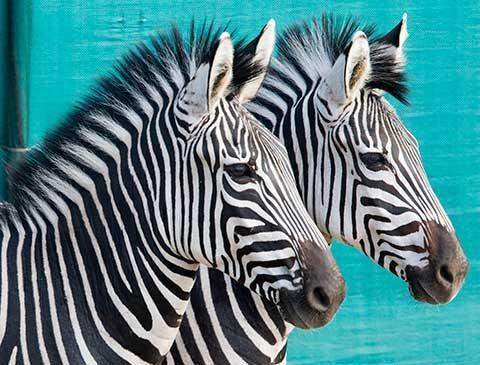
322 293
441 280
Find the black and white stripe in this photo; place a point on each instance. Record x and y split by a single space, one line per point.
153 175
359 173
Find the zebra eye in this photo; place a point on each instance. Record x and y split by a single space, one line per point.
374 161
240 172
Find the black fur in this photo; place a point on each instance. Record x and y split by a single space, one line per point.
244 69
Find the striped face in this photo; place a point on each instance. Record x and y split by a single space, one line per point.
373 191
357 167
242 212
380 199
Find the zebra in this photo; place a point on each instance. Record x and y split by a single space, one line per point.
360 175
159 171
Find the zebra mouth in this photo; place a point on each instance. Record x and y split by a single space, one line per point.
293 318
420 293
417 289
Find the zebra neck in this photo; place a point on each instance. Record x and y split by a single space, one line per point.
98 248
87 260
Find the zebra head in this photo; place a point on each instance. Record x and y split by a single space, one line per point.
373 189
245 216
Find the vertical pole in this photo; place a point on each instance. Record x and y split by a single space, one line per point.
3 94
16 34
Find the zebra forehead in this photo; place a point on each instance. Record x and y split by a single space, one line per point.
243 130
390 118
266 138
374 113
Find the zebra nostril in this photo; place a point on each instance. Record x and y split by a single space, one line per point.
446 274
319 299
322 297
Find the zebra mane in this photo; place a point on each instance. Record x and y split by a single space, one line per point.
168 58
312 48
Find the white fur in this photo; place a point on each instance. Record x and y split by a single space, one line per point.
209 84
263 56
337 86
403 31
221 71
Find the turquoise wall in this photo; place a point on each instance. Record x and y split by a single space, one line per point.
15 26
3 72
73 42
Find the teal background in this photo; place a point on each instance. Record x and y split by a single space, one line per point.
63 46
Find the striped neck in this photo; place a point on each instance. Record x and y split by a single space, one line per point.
97 234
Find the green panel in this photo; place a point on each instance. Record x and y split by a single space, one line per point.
14 85
3 92
3 72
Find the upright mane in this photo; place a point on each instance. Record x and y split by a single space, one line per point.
312 48
170 58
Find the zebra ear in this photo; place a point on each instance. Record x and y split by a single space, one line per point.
396 38
252 63
221 71
208 86
349 72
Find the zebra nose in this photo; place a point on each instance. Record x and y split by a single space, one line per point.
451 272
322 292
447 260
324 285
326 297
318 298
441 280
445 274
